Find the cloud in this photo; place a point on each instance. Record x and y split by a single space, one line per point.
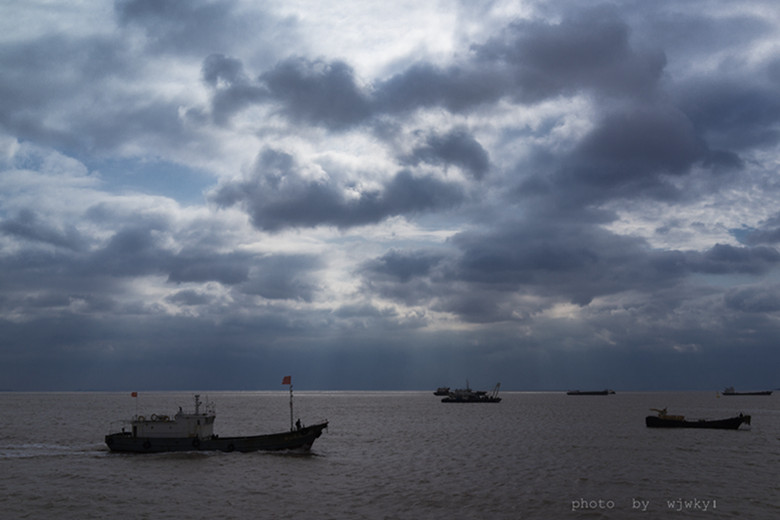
284 277
589 49
768 232
403 265
514 189
28 226
318 92
754 299
457 148
277 195
192 27
458 88
530 62
731 114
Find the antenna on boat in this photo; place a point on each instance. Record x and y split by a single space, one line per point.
287 380
134 395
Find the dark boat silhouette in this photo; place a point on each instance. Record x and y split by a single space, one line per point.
664 420
195 432
590 392
730 391
467 395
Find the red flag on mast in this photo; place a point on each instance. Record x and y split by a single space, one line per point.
287 380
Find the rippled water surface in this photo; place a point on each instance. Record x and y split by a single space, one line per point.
402 455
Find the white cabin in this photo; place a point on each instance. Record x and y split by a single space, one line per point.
198 424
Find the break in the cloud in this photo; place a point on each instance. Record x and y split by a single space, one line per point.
213 193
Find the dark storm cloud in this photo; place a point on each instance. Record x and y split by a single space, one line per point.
133 251
576 262
633 153
57 96
632 118
204 266
277 196
567 262
220 68
403 265
317 91
530 62
589 49
726 259
141 250
767 233
189 297
457 148
40 74
306 91
754 299
183 27
628 154
29 227
232 89
284 277
734 114
457 88
92 280
89 94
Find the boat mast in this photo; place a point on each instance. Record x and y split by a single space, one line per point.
287 380
291 408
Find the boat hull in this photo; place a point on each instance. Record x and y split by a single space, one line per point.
732 423
299 440
764 392
471 400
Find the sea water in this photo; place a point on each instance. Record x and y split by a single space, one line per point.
396 455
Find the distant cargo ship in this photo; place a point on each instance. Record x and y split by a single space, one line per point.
730 391
590 392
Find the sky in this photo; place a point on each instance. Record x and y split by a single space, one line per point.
389 195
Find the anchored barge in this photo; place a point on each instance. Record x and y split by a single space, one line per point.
664 420
730 391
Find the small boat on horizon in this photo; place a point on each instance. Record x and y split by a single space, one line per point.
467 395
730 391
590 392
442 390
195 432
664 420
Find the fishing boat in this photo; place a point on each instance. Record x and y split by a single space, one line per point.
730 391
664 420
590 392
194 431
442 390
467 395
